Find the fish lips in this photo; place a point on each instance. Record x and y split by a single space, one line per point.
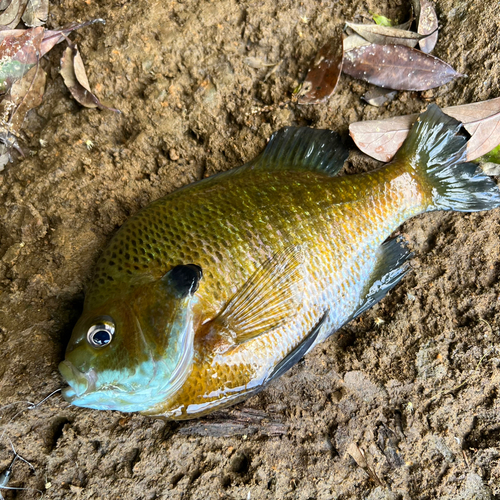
79 382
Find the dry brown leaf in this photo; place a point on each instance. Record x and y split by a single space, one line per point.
323 76
381 139
18 53
25 94
397 67
353 42
28 94
75 78
36 13
79 70
378 96
4 4
53 37
357 455
385 35
427 25
256 63
11 16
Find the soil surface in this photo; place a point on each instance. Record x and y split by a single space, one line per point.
403 403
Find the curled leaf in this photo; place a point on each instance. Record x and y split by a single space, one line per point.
75 78
386 35
4 4
427 25
381 139
11 16
397 67
323 76
36 13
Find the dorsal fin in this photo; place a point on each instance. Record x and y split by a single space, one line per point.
390 268
303 148
267 300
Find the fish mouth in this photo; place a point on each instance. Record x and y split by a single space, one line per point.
80 383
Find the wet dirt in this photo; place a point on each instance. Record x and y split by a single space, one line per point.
403 403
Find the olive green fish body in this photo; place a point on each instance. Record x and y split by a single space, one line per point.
339 240
220 287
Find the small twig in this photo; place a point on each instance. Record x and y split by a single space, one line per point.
31 406
466 459
484 321
7 473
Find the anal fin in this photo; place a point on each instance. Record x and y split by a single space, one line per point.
392 265
298 352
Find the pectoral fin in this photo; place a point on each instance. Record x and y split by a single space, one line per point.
267 300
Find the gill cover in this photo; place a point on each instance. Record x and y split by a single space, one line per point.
148 356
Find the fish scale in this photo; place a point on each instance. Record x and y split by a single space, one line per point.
367 229
208 294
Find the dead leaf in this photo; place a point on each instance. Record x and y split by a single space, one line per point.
427 25
25 94
378 96
256 63
53 37
397 67
75 78
353 42
485 138
11 16
36 13
18 54
490 168
4 4
359 456
386 35
323 75
381 139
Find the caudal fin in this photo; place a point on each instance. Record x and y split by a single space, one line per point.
434 148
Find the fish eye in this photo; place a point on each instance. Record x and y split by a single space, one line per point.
101 334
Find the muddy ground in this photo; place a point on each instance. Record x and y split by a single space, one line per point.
413 383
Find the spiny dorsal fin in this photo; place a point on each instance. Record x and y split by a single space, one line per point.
303 148
267 300
391 267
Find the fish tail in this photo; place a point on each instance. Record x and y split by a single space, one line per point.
436 150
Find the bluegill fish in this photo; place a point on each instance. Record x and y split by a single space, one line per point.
208 294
